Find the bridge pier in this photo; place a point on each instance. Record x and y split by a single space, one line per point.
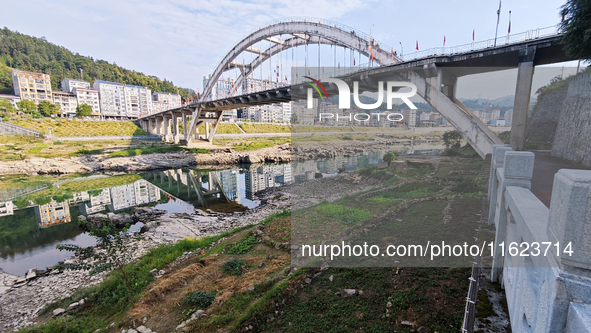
175 128
525 74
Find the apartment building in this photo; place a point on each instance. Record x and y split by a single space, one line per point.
66 101
30 86
70 84
112 98
89 97
138 101
163 101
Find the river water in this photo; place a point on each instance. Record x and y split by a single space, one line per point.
36 217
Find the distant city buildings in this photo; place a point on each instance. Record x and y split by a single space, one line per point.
106 99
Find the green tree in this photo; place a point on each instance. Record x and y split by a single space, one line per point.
115 250
26 106
452 139
48 109
576 28
6 106
84 110
389 157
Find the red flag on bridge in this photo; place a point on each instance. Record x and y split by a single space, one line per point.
353 61
392 53
473 34
443 40
509 30
417 45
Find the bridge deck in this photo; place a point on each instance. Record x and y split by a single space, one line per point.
545 167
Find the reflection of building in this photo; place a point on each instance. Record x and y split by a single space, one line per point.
79 197
86 209
266 176
229 182
52 213
6 208
138 193
103 198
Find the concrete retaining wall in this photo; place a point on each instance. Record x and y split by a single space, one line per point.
573 132
544 120
8 128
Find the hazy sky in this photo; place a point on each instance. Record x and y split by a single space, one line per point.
183 40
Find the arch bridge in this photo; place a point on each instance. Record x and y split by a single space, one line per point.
434 72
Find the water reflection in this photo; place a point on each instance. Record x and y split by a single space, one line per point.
34 219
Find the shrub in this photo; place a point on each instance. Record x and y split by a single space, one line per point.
452 139
243 246
233 267
465 185
200 298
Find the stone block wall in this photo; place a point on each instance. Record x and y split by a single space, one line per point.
573 133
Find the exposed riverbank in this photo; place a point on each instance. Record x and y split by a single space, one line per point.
302 149
24 298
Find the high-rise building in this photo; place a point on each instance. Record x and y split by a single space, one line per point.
66 101
112 98
30 86
70 84
409 117
138 101
163 101
508 117
89 97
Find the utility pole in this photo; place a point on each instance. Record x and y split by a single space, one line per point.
401 50
81 75
498 19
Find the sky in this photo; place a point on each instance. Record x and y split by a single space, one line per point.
183 40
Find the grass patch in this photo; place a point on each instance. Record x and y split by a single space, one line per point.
252 128
144 151
65 128
243 246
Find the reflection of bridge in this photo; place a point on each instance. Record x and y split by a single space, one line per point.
206 187
435 76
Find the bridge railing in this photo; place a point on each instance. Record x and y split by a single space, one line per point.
547 290
484 44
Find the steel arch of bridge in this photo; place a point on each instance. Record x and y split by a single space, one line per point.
303 32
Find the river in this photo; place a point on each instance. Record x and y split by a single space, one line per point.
35 217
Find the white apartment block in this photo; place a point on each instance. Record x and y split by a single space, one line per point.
89 97
70 84
163 101
112 98
410 117
508 117
138 101
66 101
34 87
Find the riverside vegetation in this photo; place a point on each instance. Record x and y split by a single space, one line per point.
243 281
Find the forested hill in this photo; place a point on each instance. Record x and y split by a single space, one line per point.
28 53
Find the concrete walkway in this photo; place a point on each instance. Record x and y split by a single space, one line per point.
545 167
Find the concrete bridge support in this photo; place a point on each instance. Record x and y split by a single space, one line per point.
438 89
525 74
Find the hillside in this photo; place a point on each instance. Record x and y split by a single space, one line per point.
28 53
